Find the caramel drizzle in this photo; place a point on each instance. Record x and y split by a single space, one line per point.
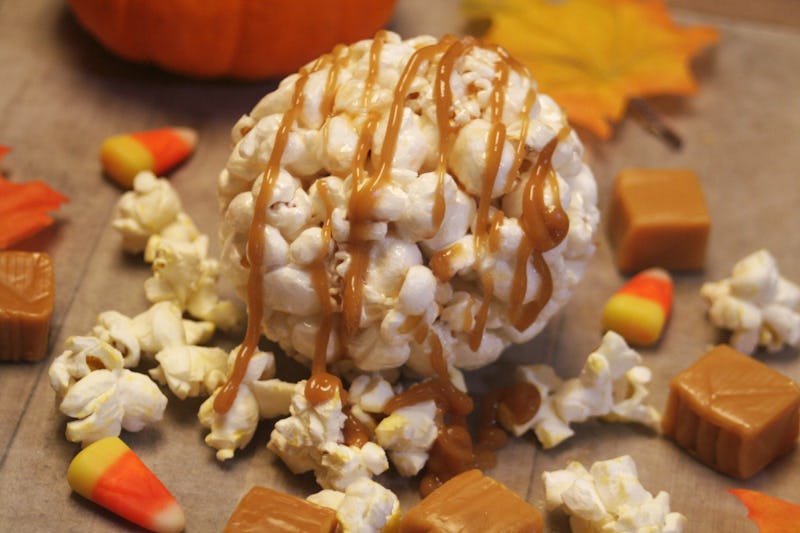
364 189
255 249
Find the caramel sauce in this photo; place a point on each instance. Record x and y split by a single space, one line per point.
255 250
441 261
356 433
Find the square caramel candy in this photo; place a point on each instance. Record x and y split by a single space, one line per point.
26 303
472 502
264 509
732 412
658 218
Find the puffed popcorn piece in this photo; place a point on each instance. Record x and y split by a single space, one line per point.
423 272
117 330
592 394
190 371
298 440
107 401
364 507
151 206
81 356
340 465
407 435
758 305
160 326
274 397
236 427
608 498
185 275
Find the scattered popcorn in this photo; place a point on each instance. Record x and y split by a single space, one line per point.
185 275
150 207
298 439
364 507
609 498
407 435
235 428
117 330
107 401
151 220
191 371
83 355
589 395
341 465
757 304
312 439
274 397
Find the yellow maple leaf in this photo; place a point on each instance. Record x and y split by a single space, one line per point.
592 56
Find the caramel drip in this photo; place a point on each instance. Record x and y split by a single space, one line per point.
255 249
441 261
322 386
517 403
494 152
356 433
364 189
319 279
443 97
545 227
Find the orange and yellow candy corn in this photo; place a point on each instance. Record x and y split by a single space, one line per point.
124 156
108 473
639 310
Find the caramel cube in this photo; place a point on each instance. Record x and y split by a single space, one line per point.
658 218
26 303
472 502
264 509
732 412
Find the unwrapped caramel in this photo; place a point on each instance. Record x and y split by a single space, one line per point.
732 412
264 509
472 502
26 303
658 218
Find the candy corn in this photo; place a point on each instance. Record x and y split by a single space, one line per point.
124 156
639 310
108 473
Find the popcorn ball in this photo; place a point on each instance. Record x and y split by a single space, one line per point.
396 190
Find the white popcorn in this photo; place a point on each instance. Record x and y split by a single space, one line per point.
298 440
159 327
408 434
589 395
340 465
83 355
609 498
364 507
185 275
757 304
274 397
117 330
107 401
150 207
404 241
190 371
235 428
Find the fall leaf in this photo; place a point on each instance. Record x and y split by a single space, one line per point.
592 56
24 207
771 515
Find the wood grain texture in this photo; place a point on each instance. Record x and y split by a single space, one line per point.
61 95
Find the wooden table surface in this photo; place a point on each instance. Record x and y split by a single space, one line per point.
61 95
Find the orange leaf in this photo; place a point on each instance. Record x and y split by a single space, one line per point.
24 207
771 515
592 56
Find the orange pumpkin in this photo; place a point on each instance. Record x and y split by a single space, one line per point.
246 39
